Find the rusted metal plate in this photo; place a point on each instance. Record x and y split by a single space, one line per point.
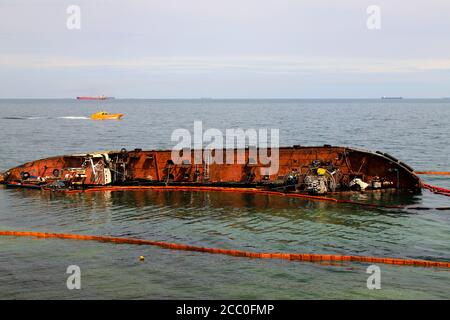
336 168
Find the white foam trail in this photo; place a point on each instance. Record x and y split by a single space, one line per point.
74 118
22 118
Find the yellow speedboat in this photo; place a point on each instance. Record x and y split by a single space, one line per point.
103 115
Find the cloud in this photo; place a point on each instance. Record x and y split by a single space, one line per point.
266 64
232 48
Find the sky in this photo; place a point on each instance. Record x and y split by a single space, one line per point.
225 49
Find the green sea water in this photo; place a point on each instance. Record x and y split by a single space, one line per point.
415 131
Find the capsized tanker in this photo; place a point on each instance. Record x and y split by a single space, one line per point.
300 169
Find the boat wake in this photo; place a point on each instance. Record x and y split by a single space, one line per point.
23 118
74 118
39 118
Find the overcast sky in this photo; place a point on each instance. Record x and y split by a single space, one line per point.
225 49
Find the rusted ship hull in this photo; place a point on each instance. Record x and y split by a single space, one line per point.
313 170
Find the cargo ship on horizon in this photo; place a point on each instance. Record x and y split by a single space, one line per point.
391 98
102 97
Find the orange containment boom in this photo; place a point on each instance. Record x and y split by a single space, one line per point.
437 190
233 190
437 173
245 190
235 253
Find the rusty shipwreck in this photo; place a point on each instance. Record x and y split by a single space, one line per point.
305 170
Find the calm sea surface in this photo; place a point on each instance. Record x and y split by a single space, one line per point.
415 131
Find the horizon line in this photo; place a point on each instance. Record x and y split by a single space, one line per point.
233 98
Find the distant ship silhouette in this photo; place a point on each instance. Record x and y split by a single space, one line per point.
391 98
102 97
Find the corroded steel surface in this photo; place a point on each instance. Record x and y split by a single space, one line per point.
339 166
